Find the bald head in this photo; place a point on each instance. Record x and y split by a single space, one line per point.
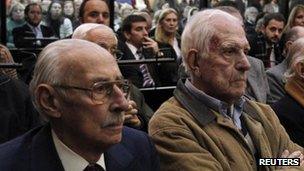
100 34
67 61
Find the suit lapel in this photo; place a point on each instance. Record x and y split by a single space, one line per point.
253 84
118 158
43 153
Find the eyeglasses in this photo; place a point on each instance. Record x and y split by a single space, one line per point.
100 90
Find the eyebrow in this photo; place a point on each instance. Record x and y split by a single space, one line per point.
102 79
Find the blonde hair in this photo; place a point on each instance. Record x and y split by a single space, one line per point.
292 15
160 35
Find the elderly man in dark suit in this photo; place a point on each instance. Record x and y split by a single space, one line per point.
31 34
78 88
140 113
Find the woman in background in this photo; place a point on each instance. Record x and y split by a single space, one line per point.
61 25
15 19
166 30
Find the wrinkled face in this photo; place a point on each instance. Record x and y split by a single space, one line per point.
299 18
223 72
104 39
273 31
97 125
34 15
56 10
18 13
96 11
137 34
169 23
68 8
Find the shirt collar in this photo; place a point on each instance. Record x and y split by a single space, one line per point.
32 27
213 103
70 160
132 48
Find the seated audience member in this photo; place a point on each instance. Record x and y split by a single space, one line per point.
290 108
29 35
69 11
139 112
15 19
295 18
6 57
55 19
275 74
139 46
78 88
265 45
257 85
250 16
17 113
208 124
136 47
94 11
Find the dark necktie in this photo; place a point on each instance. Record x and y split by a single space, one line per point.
93 167
147 78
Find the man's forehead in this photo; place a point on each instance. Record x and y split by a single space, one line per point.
96 5
139 24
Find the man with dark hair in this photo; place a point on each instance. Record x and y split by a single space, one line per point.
31 34
136 47
265 45
94 11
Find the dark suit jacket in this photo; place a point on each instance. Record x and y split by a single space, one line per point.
17 113
163 74
258 49
291 113
20 33
35 151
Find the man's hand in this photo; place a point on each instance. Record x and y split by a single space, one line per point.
150 43
295 154
131 115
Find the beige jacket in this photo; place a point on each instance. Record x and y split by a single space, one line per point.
191 137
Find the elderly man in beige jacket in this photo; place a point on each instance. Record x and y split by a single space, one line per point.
208 124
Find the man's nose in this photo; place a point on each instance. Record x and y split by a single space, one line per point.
119 101
100 19
243 64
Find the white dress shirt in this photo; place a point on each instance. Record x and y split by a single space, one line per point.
70 160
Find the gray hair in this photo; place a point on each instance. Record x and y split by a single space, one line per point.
51 66
296 55
200 30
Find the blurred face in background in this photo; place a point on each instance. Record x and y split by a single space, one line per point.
34 15
299 18
169 23
68 8
56 10
96 11
18 13
45 5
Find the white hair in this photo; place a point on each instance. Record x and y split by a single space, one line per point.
51 66
82 31
200 30
296 56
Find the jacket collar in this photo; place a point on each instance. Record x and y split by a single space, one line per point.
118 157
200 111
43 153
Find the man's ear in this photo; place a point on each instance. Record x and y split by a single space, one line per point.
48 100
300 69
287 45
263 28
127 35
192 62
